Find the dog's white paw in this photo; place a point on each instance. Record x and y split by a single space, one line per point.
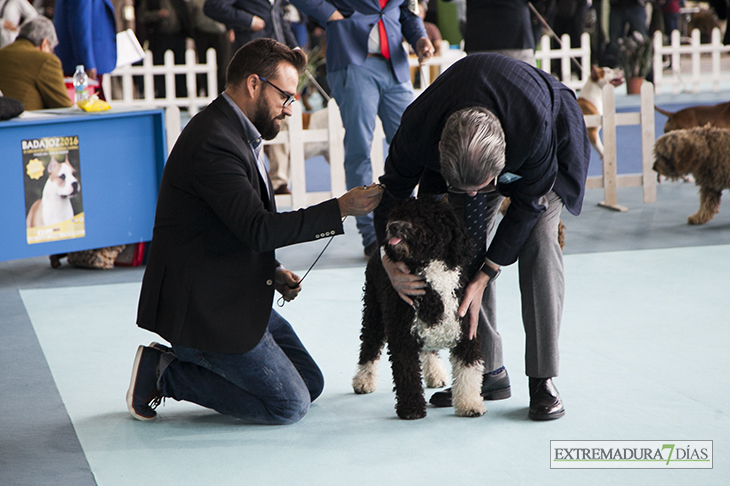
434 371
467 388
475 411
366 378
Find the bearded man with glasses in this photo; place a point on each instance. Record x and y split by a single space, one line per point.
211 273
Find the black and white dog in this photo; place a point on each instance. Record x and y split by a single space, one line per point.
428 237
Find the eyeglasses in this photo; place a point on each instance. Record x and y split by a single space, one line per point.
289 98
491 187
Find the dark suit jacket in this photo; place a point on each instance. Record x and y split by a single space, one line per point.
209 282
237 15
32 76
347 39
546 142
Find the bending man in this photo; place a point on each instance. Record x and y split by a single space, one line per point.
491 127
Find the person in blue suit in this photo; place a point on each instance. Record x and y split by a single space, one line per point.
87 34
368 73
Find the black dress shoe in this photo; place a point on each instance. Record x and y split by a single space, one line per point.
494 387
545 402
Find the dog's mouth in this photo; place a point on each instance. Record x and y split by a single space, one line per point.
397 239
397 247
618 81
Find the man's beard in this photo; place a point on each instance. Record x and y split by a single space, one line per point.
268 127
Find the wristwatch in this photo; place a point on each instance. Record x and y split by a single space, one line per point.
490 272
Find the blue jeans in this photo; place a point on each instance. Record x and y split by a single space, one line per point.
362 93
273 384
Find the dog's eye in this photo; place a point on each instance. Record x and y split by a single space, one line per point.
63 177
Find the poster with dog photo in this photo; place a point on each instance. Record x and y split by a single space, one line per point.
52 176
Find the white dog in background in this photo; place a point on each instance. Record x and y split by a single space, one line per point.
54 206
591 98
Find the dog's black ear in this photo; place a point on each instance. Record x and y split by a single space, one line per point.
461 246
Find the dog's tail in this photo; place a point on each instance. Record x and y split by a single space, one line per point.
663 112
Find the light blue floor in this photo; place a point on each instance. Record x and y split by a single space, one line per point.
644 357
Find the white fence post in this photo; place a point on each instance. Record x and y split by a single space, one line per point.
610 181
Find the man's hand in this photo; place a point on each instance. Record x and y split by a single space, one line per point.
257 24
473 301
403 281
336 15
360 200
424 50
287 284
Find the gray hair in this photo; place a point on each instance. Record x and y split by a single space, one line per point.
472 147
38 29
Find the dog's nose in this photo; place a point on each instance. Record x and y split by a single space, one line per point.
395 227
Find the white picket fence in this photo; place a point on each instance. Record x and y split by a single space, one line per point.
706 71
582 54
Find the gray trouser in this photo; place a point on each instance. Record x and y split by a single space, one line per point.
542 289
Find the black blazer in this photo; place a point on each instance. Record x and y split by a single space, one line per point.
545 135
209 281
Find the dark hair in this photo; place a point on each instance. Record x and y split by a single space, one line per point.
262 56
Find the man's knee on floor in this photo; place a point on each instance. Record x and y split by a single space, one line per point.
290 411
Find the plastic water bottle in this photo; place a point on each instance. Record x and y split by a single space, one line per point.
81 84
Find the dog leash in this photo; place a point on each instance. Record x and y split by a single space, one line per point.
551 32
280 301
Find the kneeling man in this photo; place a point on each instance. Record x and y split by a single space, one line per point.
211 271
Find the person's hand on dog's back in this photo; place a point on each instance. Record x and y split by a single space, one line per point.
360 200
403 281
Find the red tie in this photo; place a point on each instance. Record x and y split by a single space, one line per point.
384 50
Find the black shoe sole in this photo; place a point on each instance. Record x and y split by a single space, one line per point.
541 417
441 400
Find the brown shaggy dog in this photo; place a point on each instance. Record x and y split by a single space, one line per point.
703 152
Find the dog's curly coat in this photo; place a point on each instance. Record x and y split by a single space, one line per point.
428 237
703 152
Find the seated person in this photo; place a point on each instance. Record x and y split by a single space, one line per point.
31 72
